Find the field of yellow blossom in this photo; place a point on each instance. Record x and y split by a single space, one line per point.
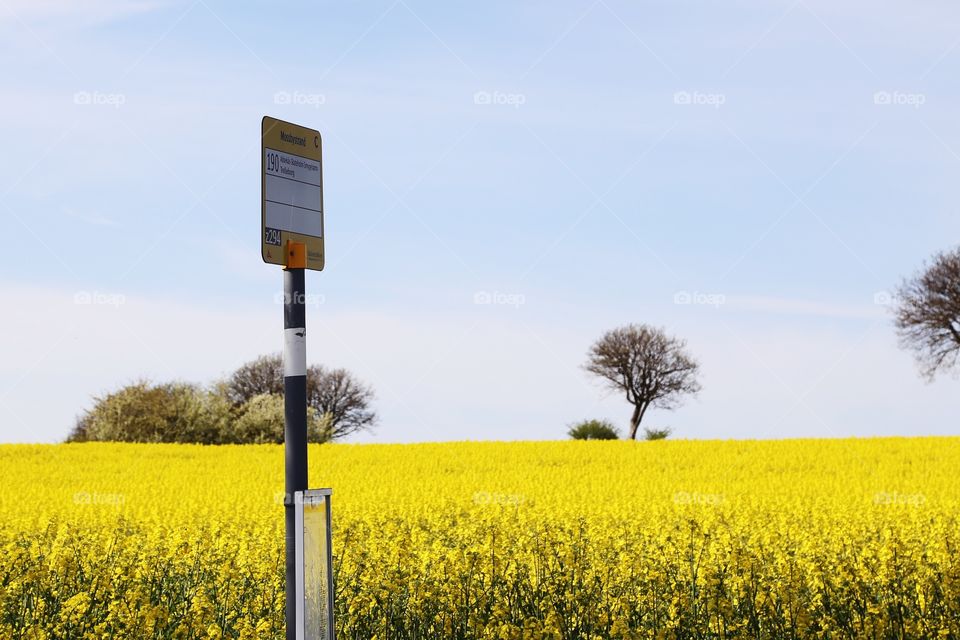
559 540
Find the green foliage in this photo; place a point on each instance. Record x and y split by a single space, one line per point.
246 407
656 434
340 400
261 421
594 430
181 412
144 412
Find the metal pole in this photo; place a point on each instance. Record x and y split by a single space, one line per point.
295 422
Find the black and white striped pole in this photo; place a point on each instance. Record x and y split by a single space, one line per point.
294 412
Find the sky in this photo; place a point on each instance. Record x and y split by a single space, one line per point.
503 182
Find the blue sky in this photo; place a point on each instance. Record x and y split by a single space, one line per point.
779 164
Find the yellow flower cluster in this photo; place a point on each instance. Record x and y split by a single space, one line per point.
506 541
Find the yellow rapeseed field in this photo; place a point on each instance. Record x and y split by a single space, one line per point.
571 540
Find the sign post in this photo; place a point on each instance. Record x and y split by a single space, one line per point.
294 413
291 214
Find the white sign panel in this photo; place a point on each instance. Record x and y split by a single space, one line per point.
291 193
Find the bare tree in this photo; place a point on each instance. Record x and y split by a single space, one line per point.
257 377
928 314
342 400
649 367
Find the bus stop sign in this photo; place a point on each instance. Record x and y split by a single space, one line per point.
291 191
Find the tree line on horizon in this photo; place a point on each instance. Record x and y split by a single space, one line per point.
244 408
649 367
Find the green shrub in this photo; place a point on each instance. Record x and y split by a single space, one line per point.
656 434
260 420
144 412
343 400
246 407
594 430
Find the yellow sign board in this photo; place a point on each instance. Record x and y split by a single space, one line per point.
291 191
